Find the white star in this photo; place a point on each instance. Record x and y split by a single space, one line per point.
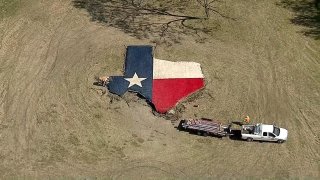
135 80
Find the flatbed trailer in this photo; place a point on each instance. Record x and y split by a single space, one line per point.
204 127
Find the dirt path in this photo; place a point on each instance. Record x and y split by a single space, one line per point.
54 122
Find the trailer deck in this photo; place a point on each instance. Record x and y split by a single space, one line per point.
205 127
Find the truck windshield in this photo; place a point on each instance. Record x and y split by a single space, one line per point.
276 130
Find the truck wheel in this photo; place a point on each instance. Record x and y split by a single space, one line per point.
280 141
205 134
199 133
249 139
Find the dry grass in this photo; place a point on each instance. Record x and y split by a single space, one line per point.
53 123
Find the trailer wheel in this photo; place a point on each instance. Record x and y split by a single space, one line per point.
199 133
249 139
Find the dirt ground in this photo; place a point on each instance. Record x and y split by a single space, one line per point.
54 123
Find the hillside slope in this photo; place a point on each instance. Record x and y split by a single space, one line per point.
55 123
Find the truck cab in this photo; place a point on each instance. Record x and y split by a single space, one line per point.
264 132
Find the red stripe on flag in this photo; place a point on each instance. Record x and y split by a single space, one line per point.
166 93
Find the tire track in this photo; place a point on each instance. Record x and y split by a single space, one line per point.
143 168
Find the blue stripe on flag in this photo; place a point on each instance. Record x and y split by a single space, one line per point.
118 85
139 61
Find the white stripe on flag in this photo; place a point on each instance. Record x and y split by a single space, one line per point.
163 69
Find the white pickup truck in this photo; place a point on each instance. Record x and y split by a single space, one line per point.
264 132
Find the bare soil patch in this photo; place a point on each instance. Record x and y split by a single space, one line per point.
54 123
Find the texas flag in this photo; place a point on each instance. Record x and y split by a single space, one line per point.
163 83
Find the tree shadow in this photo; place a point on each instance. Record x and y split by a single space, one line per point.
159 21
307 14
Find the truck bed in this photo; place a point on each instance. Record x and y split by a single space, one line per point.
248 129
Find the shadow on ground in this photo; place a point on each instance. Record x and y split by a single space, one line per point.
163 21
307 13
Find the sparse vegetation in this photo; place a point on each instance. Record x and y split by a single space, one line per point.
160 21
307 14
8 7
55 123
